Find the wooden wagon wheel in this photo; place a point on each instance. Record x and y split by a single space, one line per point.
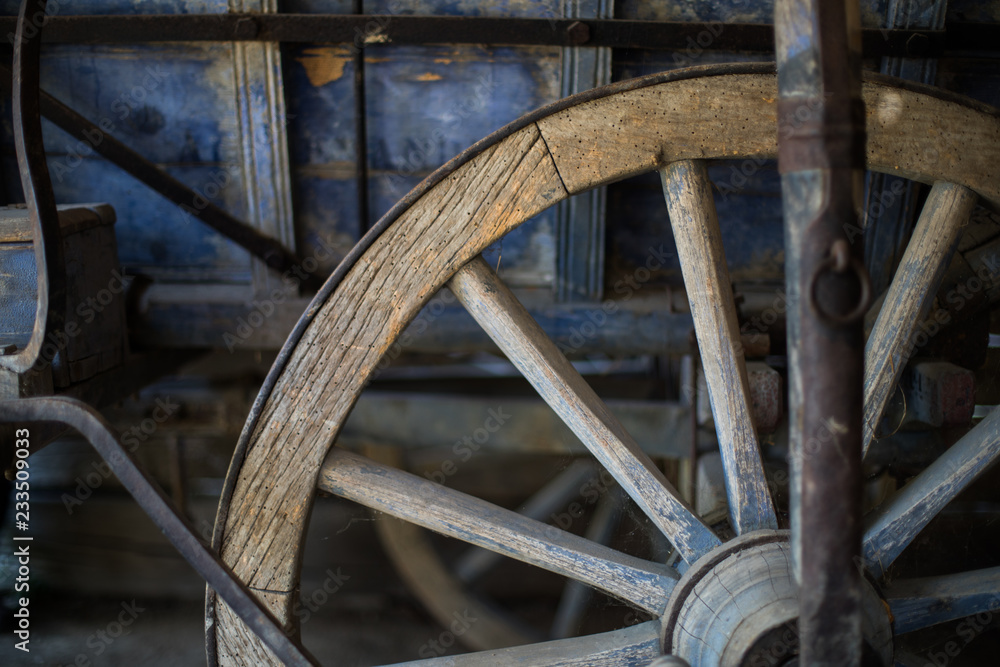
433 237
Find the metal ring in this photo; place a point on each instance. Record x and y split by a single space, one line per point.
840 260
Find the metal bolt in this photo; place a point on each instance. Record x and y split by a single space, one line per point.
917 44
578 33
246 28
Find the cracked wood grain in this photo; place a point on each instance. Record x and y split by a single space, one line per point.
688 193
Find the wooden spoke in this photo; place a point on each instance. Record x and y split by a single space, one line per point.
910 296
575 595
502 316
455 514
890 527
706 278
635 645
475 562
921 603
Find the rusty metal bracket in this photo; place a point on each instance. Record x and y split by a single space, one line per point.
92 426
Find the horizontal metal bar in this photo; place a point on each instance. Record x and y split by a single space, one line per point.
391 29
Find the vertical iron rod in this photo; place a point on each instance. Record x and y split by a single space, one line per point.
821 160
360 129
37 184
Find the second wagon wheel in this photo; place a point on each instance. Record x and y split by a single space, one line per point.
734 595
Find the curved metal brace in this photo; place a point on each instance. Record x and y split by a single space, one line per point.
37 186
92 426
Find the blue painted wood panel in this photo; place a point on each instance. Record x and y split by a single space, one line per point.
18 290
92 7
731 11
726 11
749 208
173 104
424 106
521 8
748 196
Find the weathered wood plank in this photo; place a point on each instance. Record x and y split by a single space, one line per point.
688 193
238 645
639 130
921 603
910 296
499 312
890 527
635 645
262 123
455 514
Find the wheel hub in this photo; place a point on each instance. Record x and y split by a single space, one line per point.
739 606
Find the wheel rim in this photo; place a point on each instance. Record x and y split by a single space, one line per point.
472 202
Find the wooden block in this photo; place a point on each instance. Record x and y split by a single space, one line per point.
94 336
